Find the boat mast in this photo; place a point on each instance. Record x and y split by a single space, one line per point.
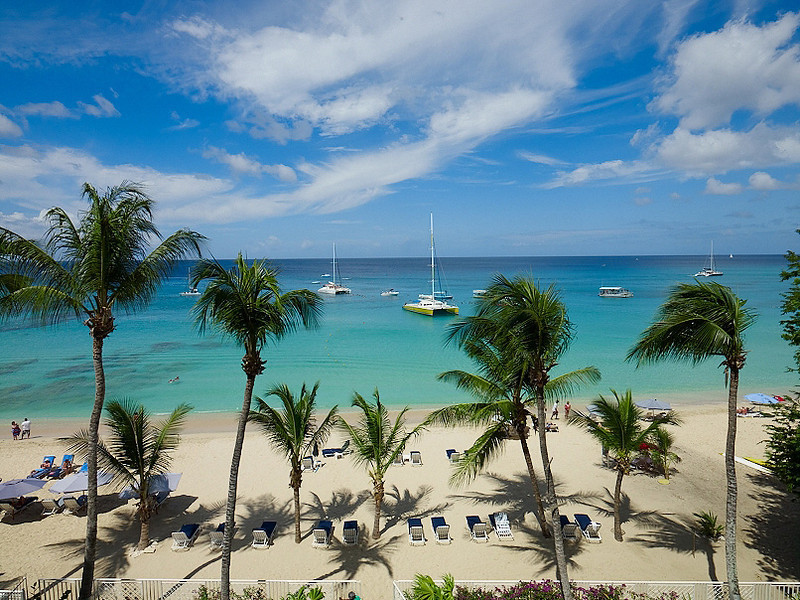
433 266
712 255
333 264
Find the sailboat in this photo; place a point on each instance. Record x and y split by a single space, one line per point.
709 270
190 289
430 304
332 287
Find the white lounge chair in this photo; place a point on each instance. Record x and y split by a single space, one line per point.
310 464
589 528
183 539
217 537
74 505
441 530
477 529
398 460
50 506
416 458
322 534
501 526
569 529
350 533
12 509
262 536
416 535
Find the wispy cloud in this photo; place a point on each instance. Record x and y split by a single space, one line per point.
101 108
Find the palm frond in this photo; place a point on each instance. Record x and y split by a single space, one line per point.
485 449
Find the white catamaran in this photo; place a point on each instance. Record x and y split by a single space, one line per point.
332 287
709 271
431 305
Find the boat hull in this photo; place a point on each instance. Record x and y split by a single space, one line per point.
431 311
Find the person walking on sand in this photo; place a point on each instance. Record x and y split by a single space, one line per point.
567 408
555 410
25 428
15 430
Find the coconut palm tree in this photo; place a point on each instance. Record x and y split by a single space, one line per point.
696 322
376 443
137 451
517 336
247 304
620 430
661 452
88 270
293 432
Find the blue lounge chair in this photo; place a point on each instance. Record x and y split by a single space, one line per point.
589 528
453 455
416 535
84 468
477 528
262 536
65 468
350 533
322 534
183 539
42 471
337 452
569 529
441 530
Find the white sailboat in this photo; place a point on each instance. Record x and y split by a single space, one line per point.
709 270
429 304
332 287
190 289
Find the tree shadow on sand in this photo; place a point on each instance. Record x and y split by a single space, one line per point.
399 506
343 503
678 533
774 529
347 560
604 505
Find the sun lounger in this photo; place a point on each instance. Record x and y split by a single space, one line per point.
217 537
84 468
337 452
183 539
416 535
398 459
65 469
12 509
453 455
441 530
569 529
158 499
501 526
262 536
416 458
350 533
309 463
322 534
589 528
51 506
477 528
74 505
42 471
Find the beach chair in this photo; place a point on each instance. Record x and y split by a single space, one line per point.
441 530
337 452
84 468
42 471
183 539
415 458
51 506
453 455
11 510
501 526
350 533
309 464
74 505
569 529
589 528
65 468
262 536
477 529
217 537
416 535
158 499
322 534
398 460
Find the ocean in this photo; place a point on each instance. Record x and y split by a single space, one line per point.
366 341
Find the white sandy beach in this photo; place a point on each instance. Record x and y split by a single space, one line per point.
657 546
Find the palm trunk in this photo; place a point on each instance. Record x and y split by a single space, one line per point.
230 507
90 547
144 516
730 499
378 494
534 481
296 514
617 502
551 504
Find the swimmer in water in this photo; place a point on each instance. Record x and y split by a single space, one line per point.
174 379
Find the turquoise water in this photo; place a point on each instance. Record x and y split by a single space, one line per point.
366 340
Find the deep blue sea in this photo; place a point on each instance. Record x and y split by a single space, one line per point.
367 341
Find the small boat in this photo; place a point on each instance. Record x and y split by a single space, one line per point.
315 282
333 288
390 292
478 293
429 304
614 291
190 289
709 270
325 275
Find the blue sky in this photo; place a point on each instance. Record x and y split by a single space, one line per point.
528 127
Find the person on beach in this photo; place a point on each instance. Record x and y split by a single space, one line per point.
25 428
15 430
567 408
555 411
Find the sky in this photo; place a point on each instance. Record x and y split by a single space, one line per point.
527 127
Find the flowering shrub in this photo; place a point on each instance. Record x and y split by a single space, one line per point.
551 590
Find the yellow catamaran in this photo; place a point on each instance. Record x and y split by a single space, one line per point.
429 304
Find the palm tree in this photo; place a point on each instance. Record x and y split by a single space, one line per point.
376 443
661 450
137 451
698 321
88 270
246 303
517 336
294 433
621 432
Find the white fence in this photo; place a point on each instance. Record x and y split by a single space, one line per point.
186 589
683 590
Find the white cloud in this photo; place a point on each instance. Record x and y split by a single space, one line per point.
45 109
101 107
742 66
716 187
608 170
8 128
764 181
540 159
241 163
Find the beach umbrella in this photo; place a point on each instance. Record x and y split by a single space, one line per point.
761 399
653 404
167 482
78 482
592 410
14 488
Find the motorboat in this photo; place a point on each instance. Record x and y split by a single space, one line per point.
478 293
429 304
709 271
333 288
613 291
390 292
